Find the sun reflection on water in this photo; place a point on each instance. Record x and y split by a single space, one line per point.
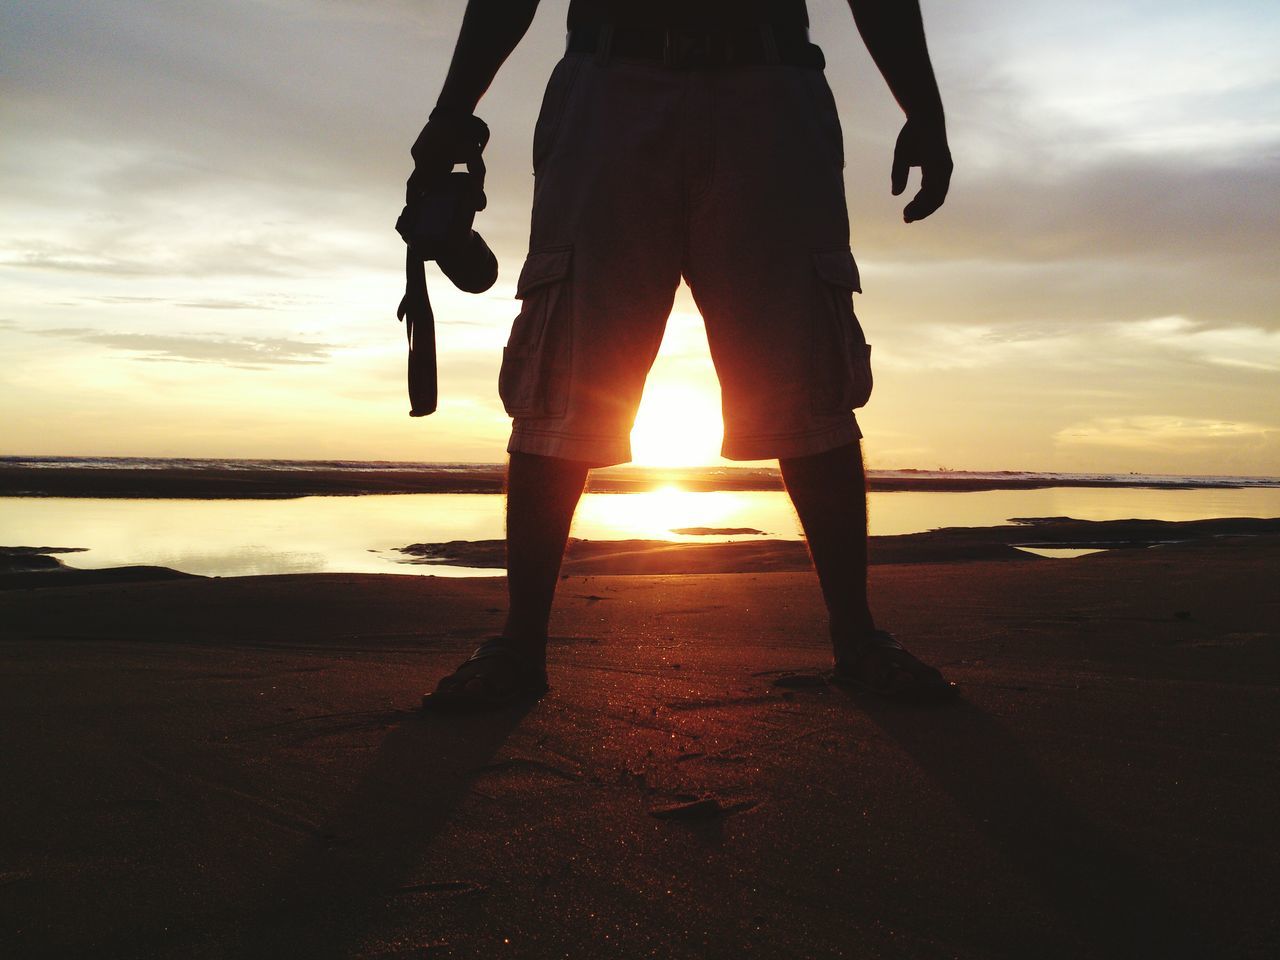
655 514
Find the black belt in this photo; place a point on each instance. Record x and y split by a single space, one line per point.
745 46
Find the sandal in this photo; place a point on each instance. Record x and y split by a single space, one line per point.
880 664
497 675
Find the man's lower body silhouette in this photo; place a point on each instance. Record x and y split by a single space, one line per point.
731 179
827 489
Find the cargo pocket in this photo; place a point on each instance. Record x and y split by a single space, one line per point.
841 354
534 381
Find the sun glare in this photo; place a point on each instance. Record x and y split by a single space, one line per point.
678 425
655 514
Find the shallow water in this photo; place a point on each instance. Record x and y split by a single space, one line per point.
360 534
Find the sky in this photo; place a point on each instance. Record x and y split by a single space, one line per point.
197 255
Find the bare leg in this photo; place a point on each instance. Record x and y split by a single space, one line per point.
542 494
829 493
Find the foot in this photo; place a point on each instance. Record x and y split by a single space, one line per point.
879 664
497 675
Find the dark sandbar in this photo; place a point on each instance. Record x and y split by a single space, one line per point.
25 567
950 545
254 480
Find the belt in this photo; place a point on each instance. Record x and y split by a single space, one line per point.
745 46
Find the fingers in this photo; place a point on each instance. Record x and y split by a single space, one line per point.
921 205
443 142
935 181
901 167
418 180
424 174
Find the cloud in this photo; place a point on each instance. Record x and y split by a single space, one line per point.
1132 149
188 139
1046 345
1110 212
266 302
1250 348
968 346
247 352
126 300
154 244
1141 76
1160 84
1159 432
224 304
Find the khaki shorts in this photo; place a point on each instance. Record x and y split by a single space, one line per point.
731 178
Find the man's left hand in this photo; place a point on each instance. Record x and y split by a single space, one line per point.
924 145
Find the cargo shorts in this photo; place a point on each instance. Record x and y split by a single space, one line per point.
731 178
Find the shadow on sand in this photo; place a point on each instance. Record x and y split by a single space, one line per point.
1113 902
337 894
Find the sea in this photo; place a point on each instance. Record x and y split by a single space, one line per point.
363 534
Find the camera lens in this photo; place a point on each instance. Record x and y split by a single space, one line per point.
472 267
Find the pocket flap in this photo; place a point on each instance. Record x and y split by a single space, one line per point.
837 267
547 266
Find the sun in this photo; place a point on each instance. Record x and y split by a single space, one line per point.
678 425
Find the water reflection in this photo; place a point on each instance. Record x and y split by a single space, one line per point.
252 559
657 514
1061 553
360 534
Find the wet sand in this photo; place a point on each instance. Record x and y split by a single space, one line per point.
948 545
236 767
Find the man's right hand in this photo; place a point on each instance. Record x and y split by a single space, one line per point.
448 138
924 145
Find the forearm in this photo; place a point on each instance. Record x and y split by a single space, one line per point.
893 31
490 31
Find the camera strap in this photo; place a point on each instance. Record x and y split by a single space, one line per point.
415 306
420 330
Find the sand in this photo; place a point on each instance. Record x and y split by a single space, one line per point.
236 767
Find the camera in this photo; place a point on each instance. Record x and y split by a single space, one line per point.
437 226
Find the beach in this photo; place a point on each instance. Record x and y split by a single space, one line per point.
274 436
213 767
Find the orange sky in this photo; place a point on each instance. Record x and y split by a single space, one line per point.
196 253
